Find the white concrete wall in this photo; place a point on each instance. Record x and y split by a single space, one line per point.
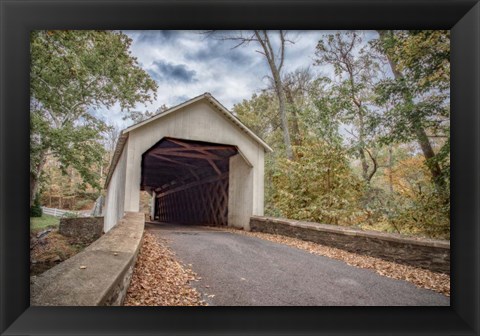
259 183
202 122
240 189
115 199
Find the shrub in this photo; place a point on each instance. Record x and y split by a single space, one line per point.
317 186
36 209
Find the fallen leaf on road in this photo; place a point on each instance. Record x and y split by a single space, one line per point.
158 279
438 282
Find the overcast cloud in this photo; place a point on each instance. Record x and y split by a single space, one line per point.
186 64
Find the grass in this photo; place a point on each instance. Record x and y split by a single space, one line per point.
41 223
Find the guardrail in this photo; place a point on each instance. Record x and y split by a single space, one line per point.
62 213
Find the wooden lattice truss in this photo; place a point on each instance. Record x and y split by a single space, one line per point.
190 180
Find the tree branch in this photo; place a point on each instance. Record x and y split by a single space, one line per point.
282 53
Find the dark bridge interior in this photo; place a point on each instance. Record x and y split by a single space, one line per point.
190 180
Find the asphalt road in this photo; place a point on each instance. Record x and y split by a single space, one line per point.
237 270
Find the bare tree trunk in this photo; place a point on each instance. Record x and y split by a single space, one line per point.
363 161
390 167
297 139
420 133
361 132
284 119
34 177
275 62
33 187
361 150
275 69
429 154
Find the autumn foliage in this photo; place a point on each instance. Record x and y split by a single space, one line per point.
372 137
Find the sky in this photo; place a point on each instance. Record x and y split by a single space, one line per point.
186 64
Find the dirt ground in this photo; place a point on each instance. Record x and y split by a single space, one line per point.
48 248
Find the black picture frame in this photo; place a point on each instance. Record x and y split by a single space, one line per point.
19 17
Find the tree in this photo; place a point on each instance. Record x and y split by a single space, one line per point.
275 60
111 136
415 207
138 116
260 114
419 61
324 117
321 184
317 186
73 73
297 86
356 70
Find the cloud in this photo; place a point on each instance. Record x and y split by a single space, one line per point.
219 51
164 71
186 64
154 36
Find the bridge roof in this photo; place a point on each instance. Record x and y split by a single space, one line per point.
209 99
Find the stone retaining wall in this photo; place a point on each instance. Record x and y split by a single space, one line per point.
425 253
85 229
97 276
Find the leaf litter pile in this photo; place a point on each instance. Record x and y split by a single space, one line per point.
158 279
420 277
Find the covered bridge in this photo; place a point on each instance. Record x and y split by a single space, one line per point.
198 162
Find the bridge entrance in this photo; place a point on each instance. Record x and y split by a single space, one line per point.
188 181
197 161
